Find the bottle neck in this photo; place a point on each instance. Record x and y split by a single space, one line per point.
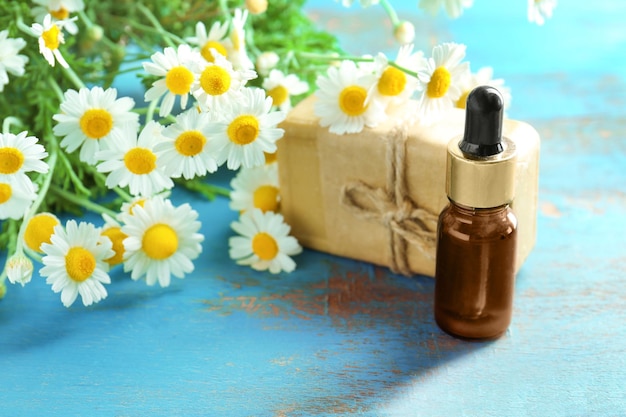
473 211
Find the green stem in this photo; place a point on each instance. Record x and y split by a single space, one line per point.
78 183
150 112
328 57
6 124
82 202
391 12
74 78
168 37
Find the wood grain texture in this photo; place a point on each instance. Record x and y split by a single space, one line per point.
343 338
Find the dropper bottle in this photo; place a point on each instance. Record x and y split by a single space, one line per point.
477 231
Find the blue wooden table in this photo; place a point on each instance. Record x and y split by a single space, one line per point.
345 338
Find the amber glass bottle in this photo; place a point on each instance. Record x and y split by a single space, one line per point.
477 231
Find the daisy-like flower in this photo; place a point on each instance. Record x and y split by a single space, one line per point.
256 188
343 103
20 154
245 130
236 42
540 10
19 269
363 3
74 262
176 67
484 76
219 83
281 87
50 38
90 118
440 77
264 242
211 43
162 241
132 162
11 62
392 84
454 8
112 229
59 10
14 201
39 230
183 150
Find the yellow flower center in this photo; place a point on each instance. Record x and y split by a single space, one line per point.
11 160
117 237
264 246
439 83
352 100
190 143
140 161
178 80
160 241
206 50
462 101
60 14
51 37
392 82
79 263
96 123
39 230
266 198
139 203
215 80
5 193
279 95
270 157
243 130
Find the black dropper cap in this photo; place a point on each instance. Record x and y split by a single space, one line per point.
483 123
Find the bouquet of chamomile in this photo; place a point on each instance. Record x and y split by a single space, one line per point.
217 78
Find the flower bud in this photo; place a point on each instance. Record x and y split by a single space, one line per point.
19 269
266 62
404 32
256 6
95 33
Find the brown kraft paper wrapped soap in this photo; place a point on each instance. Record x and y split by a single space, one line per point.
376 195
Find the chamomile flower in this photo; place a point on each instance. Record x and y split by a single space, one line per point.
266 62
19 269
484 76
14 201
363 3
440 77
176 66
392 84
20 154
256 188
50 38
11 62
219 84
162 241
74 262
59 10
264 243
112 229
132 162
183 150
540 10
90 118
454 8
39 230
236 42
281 87
343 103
245 130
210 43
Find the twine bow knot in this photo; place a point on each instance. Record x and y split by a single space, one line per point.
393 207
